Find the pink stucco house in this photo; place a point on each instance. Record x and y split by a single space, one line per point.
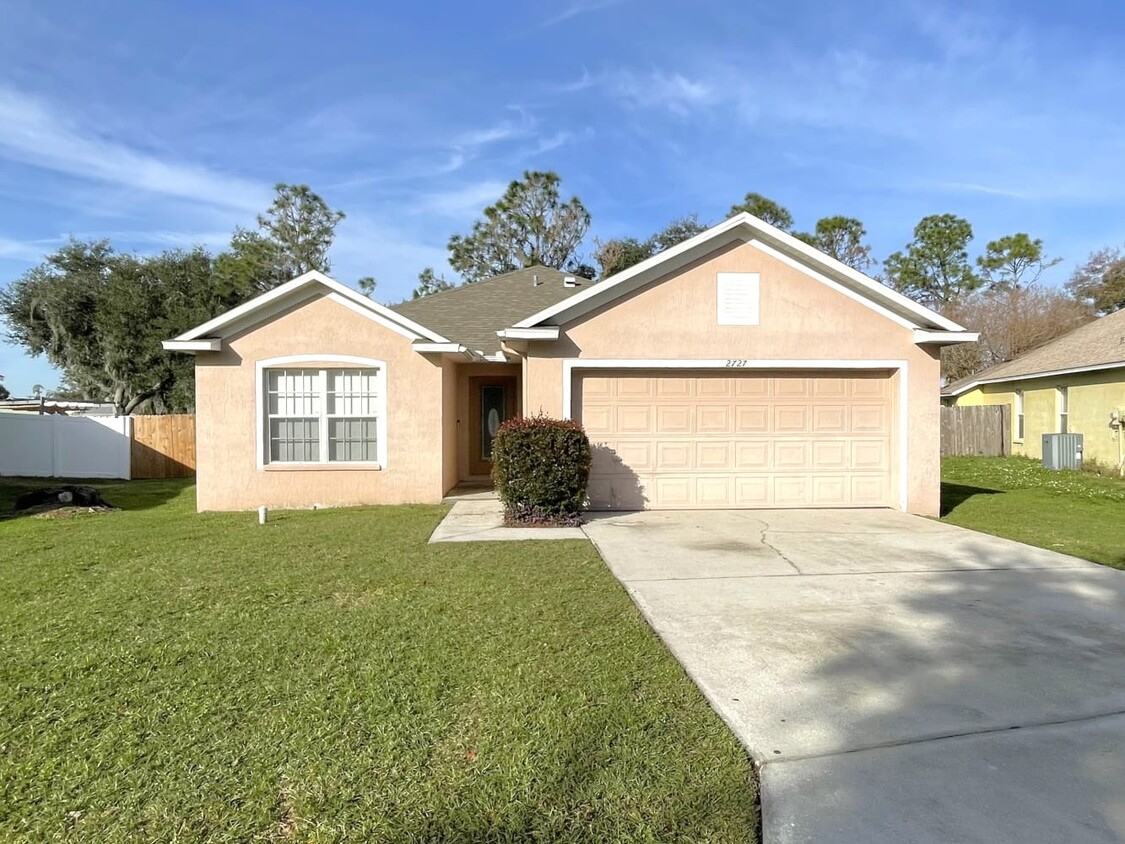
739 369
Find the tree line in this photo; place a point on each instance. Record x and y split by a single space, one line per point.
997 294
99 314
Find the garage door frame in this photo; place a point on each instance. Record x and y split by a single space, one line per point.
571 366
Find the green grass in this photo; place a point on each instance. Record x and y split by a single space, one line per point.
1076 513
166 676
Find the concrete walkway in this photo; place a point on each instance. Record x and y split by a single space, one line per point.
898 679
477 516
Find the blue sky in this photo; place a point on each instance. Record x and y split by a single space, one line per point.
160 125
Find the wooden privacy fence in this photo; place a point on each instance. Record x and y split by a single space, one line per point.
163 446
984 430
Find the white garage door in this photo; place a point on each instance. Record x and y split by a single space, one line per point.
701 440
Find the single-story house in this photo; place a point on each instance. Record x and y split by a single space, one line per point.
741 368
1071 385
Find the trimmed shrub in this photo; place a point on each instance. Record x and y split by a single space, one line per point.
540 467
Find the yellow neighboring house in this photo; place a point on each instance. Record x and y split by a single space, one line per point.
1073 384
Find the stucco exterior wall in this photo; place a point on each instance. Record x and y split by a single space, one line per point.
801 319
226 416
450 424
1092 395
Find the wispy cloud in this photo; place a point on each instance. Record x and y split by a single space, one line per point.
666 90
971 187
33 132
560 139
461 201
26 250
575 8
472 140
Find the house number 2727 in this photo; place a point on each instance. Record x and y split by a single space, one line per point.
735 362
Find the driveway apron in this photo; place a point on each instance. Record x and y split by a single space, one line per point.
897 679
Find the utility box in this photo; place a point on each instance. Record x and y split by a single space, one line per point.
1062 451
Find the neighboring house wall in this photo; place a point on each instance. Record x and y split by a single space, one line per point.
801 319
1092 395
229 477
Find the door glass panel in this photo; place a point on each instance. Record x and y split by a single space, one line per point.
491 415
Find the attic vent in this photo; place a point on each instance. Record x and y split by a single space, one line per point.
570 281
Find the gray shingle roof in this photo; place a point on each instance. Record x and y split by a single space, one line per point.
1097 343
473 313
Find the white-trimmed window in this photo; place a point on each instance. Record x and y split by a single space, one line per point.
325 415
1019 415
1062 400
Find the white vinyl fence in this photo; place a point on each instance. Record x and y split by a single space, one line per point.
56 446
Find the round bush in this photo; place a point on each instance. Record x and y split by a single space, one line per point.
540 467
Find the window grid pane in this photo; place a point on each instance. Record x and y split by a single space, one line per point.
294 392
295 440
352 439
352 392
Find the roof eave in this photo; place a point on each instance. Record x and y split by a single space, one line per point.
925 337
239 315
444 350
207 344
546 332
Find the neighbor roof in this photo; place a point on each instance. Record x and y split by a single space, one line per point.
1097 345
473 313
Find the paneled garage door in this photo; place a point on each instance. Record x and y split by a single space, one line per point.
702 440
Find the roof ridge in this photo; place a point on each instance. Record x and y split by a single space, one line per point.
503 276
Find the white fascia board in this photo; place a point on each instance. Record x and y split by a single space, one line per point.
344 293
545 332
945 338
437 348
212 344
1032 376
748 228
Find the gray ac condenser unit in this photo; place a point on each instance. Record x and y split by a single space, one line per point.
1062 451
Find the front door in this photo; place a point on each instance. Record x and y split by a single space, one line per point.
491 402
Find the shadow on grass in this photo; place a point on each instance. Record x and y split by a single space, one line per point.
954 495
124 495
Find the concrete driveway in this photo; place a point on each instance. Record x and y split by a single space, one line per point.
899 680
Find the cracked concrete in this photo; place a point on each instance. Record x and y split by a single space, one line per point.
897 679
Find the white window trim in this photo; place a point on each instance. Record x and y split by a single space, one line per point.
1019 428
308 362
899 366
1062 408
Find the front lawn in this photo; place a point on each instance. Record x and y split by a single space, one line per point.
166 676
1073 512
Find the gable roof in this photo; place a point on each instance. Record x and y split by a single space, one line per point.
1096 345
472 313
208 335
781 245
